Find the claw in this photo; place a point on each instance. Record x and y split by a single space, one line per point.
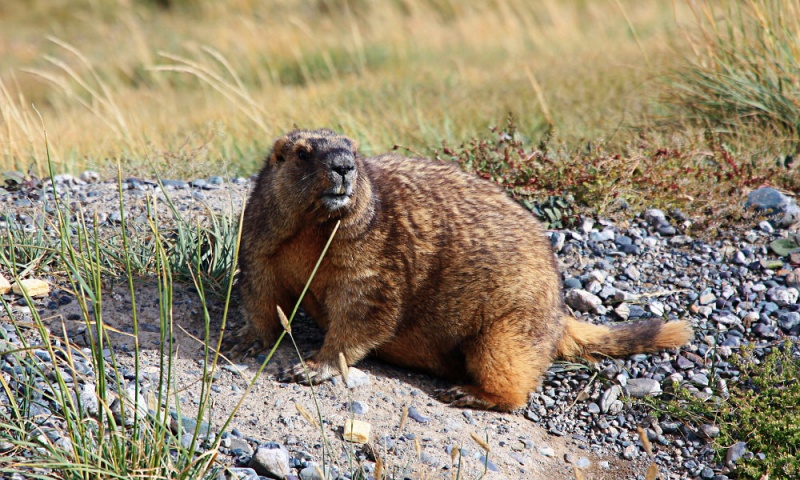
311 374
463 397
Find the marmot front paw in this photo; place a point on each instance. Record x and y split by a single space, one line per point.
309 372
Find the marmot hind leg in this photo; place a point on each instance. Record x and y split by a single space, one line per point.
505 365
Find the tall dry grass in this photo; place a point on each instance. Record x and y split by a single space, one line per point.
130 80
745 66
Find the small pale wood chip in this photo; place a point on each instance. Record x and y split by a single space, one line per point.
34 287
356 431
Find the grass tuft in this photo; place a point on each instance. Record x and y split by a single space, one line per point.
745 66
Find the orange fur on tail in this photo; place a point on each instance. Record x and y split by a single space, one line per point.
582 339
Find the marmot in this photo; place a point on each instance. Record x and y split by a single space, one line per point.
431 268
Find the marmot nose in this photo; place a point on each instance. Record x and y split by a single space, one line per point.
343 169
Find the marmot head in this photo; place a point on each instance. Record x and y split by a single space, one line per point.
316 169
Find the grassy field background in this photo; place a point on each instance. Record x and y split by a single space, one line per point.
684 103
213 83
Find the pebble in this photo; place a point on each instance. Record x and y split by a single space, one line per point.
547 451
314 472
609 397
642 387
733 290
413 414
734 453
271 460
583 301
357 408
782 296
356 378
768 200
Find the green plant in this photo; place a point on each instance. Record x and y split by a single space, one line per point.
206 251
111 428
759 411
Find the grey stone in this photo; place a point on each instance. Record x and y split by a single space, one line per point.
88 398
767 200
413 414
90 176
547 451
557 240
176 184
623 310
667 230
357 408
315 472
734 453
636 311
521 459
728 319
623 240
710 431
243 473
788 320
684 363
583 301
429 459
608 397
783 296
357 378
271 460
616 407
487 463
657 308
681 240
602 236
630 249
629 452
633 273
607 292
790 216
239 446
706 297
594 287
642 387
598 276
655 217
699 379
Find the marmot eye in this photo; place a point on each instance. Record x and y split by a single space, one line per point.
304 154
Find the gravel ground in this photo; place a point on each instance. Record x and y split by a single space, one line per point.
734 290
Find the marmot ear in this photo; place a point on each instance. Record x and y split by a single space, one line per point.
279 151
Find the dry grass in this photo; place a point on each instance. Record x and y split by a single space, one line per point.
743 70
127 80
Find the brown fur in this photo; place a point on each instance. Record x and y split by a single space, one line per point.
431 268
